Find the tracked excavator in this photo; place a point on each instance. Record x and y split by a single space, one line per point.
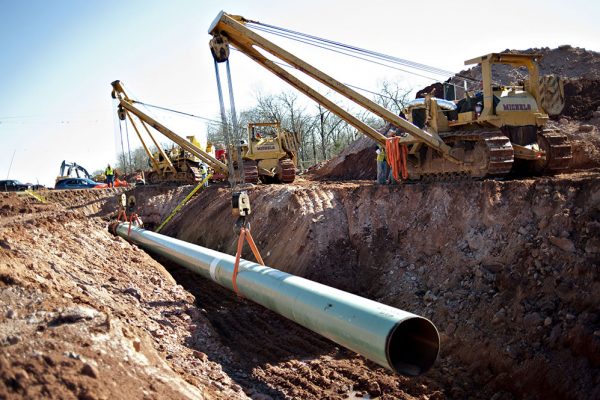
67 170
269 154
511 125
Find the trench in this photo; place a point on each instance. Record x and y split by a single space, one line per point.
478 261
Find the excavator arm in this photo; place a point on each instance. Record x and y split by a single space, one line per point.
67 168
128 105
230 29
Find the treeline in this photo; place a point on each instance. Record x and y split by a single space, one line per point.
320 134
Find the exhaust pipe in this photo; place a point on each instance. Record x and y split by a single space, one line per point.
403 342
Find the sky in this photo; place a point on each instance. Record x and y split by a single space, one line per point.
58 58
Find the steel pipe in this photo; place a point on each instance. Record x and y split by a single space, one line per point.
401 341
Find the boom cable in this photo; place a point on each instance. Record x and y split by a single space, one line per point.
346 49
128 149
177 112
286 65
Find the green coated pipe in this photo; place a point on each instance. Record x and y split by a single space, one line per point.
401 341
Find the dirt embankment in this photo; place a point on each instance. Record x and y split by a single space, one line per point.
85 315
507 271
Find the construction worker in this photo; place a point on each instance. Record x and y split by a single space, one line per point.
204 172
110 176
382 166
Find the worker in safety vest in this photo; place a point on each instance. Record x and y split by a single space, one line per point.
382 166
110 176
204 172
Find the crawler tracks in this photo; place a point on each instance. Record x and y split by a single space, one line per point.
558 151
493 156
488 154
287 171
250 172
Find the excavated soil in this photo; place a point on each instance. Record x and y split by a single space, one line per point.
507 270
85 315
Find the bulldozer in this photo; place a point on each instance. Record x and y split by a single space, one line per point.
441 141
186 165
269 154
506 121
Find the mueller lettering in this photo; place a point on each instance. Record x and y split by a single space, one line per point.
516 107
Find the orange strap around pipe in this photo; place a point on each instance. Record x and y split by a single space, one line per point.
244 234
397 155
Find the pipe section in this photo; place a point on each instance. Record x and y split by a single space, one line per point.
401 341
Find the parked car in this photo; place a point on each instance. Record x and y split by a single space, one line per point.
79 183
36 186
13 185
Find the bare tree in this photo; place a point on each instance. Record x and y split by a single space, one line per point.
392 96
319 133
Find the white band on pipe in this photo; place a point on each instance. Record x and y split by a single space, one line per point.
213 269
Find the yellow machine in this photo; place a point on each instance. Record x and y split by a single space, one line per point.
272 156
181 163
269 153
470 145
514 118
186 165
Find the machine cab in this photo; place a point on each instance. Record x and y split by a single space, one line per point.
264 138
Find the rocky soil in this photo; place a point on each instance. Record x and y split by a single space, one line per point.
508 271
85 315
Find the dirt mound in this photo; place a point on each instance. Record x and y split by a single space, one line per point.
89 202
565 61
580 67
505 270
85 315
582 99
355 162
436 88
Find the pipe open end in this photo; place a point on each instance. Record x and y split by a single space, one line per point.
413 346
